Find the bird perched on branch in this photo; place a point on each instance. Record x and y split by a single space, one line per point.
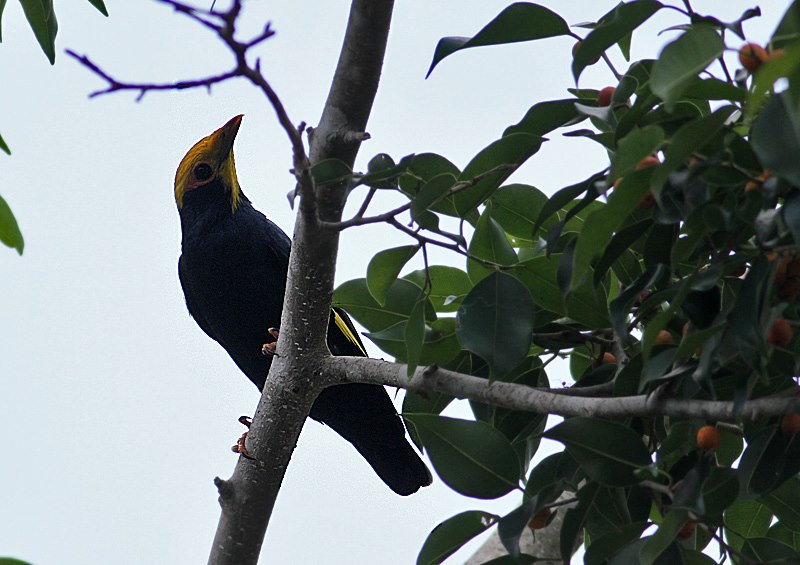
233 269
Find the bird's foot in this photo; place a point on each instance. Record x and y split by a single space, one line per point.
241 447
269 349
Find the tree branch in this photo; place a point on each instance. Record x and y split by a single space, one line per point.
248 497
337 370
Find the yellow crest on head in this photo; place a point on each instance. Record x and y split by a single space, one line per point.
216 151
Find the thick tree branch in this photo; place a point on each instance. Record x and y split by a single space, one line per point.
248 497
513 396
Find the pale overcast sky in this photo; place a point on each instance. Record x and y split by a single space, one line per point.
116 411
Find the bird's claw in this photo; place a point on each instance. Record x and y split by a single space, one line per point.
269 349
241 447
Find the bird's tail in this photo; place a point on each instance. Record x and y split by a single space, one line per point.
365 416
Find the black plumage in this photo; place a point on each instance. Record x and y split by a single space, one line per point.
233 270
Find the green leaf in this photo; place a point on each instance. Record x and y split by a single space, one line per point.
472 458
688 139
784 502
746 519
450 535
630 554
329 171
521 21
766 551
415 336
585 305
655 545
621 242
548 478
495 322
770 459
608 544
781 533
515 207
440 344
564 197
9 229
42 19
489 242
448 286
606 451
601 224
384 268
3 146
11 560
544 117
503 157
354 297
613 27
715 89
383 173
720 490
775 137
2 7
634 147
788 30
101 7
682 60
767 75
432 192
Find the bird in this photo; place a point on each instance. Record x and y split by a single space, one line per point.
233 268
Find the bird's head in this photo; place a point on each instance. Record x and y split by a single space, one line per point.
209 166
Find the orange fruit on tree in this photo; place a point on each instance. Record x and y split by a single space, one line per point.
606 358
780 333
664 338
604 96
647 201
540 520
752 56
708 438
686 531
649 161
790 424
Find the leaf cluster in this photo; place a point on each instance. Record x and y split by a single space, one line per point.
662 274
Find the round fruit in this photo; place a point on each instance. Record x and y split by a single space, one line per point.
780 333
647 201
752 56
708 438
790 424
664 338
686 531
540 520
604 359
758 183
604 96
650 161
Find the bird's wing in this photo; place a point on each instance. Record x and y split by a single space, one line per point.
190 300
342 335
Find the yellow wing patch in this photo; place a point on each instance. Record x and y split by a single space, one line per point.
345 329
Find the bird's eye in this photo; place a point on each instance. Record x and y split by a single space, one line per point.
203 172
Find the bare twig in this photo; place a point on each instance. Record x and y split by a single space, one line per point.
224 25
658 487
360 220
